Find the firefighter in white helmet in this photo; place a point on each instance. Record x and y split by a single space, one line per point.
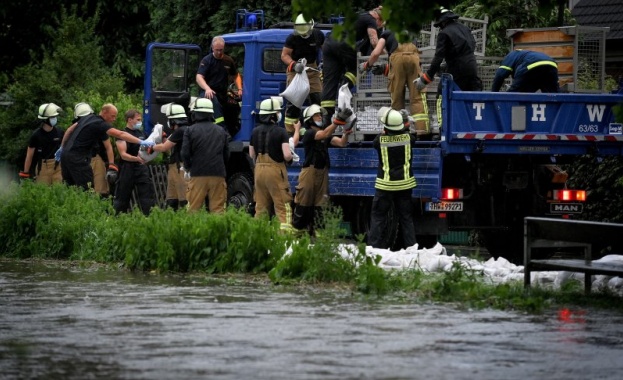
205 152
177 121
312 190
270 149
305 42
42 145
394 179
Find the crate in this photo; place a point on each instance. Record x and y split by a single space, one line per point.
579 51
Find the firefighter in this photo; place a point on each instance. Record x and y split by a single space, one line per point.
305 42
78 141
367 30
455 44
133 174
402 70
270 149
312 190
531 71
177 121
42 145
394 180
339 67
205 152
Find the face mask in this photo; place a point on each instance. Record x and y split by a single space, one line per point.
53 121
138 125
318 123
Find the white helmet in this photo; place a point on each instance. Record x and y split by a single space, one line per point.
175 111
272 105
391 119
204 105
311 111
48 110
82 109
303 27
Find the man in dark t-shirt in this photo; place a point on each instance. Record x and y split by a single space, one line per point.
366 30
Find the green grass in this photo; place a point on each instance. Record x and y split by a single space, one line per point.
61 223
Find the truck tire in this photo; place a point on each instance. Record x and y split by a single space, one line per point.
240 190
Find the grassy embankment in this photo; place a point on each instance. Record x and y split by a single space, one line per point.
63 223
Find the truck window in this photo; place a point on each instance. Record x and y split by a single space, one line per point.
271 61
170 72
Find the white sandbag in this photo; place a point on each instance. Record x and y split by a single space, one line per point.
298 90
156 137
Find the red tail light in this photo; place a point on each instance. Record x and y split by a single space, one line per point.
569 195
451 193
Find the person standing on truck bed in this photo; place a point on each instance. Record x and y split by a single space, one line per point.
402 70
78 141
339 67
455 44
367 28
134 173
42 145
312 191
394 179
213 76
531 71
270 149
205 152
305 42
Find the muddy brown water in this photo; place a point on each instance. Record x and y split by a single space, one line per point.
76 323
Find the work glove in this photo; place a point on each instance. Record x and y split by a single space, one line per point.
382 69
146 143
24 175
364 67
342 115
112 174
57 154
297 66
406 119
421 82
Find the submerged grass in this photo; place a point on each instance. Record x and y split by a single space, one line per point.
57 222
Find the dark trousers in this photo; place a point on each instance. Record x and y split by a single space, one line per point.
76 170
544 78
338 59
134 175
403 209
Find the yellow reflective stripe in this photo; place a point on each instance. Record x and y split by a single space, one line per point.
219 120
290 120
385 161
407 163
439 116
420 117
404 184
542 63
328 103
350 76
506 68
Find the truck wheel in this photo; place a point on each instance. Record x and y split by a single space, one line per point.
240 190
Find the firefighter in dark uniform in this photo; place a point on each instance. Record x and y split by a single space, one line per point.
367 28
305 42
312 190
42 145
78 141
176 184
455 44
133 172
531 71
205 152
402 70
270 149
339 67
394 178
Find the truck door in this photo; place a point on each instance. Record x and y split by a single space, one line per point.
170 71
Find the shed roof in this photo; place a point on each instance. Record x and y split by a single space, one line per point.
601 13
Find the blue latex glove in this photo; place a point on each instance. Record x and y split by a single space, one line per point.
57 155
147 144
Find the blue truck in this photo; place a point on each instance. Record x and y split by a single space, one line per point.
497 159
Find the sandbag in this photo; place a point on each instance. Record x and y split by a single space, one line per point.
156 137
298 90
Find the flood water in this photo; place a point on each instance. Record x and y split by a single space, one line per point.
75 323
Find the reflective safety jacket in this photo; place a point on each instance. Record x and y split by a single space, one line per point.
394 171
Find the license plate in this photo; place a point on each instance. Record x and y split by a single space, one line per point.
444 206
566 208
